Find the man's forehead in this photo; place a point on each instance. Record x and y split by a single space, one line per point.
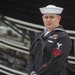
50 14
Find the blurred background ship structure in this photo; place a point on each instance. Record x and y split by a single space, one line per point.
20 21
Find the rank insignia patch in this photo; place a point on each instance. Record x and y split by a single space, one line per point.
56 52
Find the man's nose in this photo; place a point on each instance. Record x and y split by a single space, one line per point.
49 19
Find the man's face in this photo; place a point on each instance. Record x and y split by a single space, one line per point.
51 21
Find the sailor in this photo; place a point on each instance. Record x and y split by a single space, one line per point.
50 49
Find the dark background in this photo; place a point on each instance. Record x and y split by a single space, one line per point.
28 10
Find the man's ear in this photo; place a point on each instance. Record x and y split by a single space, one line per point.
59 18
42 17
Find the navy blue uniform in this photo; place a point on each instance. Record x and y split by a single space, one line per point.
49 54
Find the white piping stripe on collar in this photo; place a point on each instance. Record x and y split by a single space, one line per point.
59 29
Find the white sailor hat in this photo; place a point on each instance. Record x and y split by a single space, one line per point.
52 9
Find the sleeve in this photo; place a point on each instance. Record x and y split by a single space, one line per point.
58 57
30 65
31 69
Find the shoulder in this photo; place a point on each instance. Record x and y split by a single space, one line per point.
64 34
38 34
65 37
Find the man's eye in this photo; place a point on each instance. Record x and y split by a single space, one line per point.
49 17
52 17
46 17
